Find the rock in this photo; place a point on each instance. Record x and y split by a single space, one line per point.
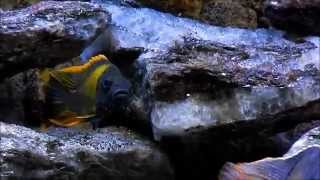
21 99
13 4
294 16
213 84
242 141
214 75
214 94
301 162
111 153
47 33
217 12
128 3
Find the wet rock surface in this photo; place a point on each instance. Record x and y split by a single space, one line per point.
294 16
47 33
111 153
301 162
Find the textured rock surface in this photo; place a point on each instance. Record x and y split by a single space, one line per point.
111 153
225 85
214 75
47 33
239 13
21 99
294 15
212 83
301 162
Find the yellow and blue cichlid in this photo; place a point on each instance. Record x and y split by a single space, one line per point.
80 93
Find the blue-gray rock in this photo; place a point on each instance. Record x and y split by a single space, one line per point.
216 94
197 75
112 153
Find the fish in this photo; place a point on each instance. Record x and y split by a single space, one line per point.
301 162
83 93
303 165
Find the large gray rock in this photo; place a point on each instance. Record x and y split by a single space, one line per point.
301 162
112 153
214 94
294 16
47 33
199 75
202 83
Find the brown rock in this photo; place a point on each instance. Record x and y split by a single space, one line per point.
241 13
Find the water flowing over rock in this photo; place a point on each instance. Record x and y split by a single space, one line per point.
112 153
301 162
294 16
47 33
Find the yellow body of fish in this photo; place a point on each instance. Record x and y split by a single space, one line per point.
71 91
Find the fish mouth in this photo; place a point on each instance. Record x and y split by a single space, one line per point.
120 97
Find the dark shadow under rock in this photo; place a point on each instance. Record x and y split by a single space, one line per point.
112 153
21 99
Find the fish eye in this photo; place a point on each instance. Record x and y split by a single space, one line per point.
106 84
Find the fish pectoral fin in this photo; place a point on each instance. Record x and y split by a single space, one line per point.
67 122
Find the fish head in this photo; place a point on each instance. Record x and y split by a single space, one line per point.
114 90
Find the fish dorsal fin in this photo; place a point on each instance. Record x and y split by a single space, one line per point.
65 76
84 67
